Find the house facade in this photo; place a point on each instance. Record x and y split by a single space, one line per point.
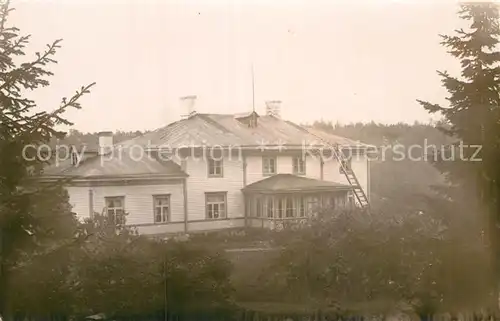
216 171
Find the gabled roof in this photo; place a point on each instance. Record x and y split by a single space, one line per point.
226 130
292 183
199 130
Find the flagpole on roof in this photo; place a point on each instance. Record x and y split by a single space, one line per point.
253 91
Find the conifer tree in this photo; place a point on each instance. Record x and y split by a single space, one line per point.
33 217
473 114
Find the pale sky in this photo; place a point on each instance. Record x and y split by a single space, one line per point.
330 60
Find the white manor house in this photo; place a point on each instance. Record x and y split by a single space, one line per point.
216 171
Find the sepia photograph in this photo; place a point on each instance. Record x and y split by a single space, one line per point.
249 160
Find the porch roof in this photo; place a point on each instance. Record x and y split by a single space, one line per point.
292 183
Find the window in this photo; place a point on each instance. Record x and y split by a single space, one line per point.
281 207
313 204
269 165
301 207
215 167
115 209
270 207
216 205
161 205
258 204
290 208
299 165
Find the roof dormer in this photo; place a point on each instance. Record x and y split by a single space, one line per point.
248 119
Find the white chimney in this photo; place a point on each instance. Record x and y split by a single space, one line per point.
273 108
187 106
105 142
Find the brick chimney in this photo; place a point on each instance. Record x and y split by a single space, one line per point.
273 108
188 106
105 142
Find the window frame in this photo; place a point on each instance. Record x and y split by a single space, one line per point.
168 206
298 160
281 208
269 209
207 203
259 206
301 206
122 208
313 204
215 161
267 158
290 201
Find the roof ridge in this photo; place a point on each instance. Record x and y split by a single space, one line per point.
215 123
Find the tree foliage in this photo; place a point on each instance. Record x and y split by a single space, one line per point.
473 114
33 217
124 276
90 140
424 260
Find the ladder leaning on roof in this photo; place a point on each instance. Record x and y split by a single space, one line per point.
359 193
351 178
